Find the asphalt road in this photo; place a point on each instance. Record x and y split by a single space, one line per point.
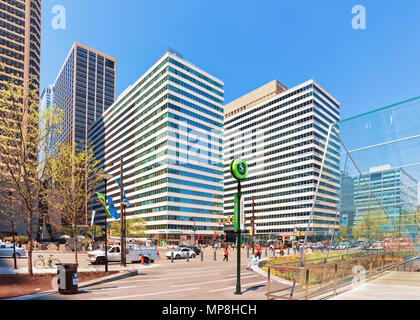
181 280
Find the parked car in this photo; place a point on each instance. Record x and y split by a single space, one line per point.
196 249
133 254
181 253
6 251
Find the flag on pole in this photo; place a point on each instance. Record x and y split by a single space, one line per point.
118 181
101 198
112 209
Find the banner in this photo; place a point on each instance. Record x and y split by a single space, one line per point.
112 209
118 180
92 221
101 198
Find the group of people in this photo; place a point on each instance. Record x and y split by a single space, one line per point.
254 259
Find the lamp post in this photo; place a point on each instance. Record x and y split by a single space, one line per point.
106 177
192 219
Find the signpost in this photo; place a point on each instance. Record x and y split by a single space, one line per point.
239 170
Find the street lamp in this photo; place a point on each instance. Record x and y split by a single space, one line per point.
106 177
192 219
123 233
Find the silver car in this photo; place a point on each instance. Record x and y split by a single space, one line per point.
6 251
181 253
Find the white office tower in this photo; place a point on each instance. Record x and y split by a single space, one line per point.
282 133
168 127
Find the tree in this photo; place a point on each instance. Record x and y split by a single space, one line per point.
22 139
136 228
372 226
71 188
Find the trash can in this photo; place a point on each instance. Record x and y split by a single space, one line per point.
67 278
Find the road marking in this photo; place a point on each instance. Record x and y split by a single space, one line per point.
147 294
99 290
222 280
243 285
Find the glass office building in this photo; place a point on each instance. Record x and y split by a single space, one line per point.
168 128
385 188
84 89
47 100
282 133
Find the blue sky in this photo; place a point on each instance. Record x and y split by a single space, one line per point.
249 43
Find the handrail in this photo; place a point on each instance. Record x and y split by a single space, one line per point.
335 283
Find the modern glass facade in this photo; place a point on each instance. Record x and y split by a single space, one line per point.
393 190
84 89
20 40
168 127
283 139
47 100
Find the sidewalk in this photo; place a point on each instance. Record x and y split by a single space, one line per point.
130 267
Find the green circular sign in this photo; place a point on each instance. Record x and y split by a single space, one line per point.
239 169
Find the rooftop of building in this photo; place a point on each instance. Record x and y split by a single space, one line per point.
253 98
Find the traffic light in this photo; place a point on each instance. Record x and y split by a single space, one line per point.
220 222
229 220
251 231
224 221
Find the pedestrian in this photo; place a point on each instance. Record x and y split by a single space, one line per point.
259 251
254 260
58 245
226 258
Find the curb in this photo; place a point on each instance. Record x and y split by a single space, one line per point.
258 270
114 277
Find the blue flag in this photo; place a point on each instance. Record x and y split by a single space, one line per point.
112 209
118 180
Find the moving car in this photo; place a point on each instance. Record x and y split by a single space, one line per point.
181 253
6 251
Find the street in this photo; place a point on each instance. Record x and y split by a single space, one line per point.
181 280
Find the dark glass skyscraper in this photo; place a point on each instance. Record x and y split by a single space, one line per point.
84 88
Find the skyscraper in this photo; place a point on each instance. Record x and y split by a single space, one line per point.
84 89
168 127
20 40
20 43
47 100
282 133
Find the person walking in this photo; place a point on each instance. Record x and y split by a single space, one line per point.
259 251
58 245
226 258
254 261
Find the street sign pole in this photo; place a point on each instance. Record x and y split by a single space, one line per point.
239 170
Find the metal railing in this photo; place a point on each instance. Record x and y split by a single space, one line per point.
325 276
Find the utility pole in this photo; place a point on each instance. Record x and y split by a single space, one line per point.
253 226
123 249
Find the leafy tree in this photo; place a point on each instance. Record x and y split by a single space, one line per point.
23 138
71 188
136 228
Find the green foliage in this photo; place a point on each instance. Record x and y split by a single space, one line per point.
19 240
136 228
